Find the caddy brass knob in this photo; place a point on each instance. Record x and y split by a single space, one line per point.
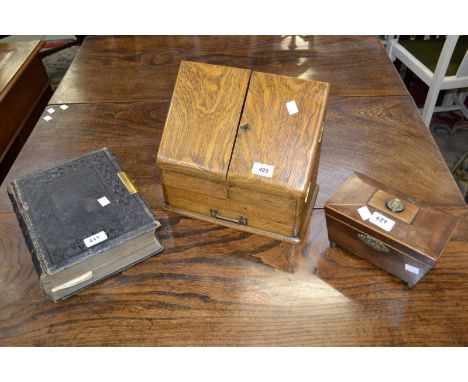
395 205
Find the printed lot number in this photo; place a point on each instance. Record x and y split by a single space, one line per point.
263 169
382 221
95 239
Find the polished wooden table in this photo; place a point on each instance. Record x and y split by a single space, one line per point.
218 286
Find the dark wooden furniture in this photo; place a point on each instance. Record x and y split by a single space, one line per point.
218 286
242 149
24 91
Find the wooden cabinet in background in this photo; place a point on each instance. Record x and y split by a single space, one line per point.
24 92
241 148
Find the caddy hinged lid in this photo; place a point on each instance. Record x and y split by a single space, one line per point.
400 221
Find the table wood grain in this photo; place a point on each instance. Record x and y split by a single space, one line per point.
382 137
218 286
386 139
144 68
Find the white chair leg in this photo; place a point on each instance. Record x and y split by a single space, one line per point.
389 46
448 99
460 101
461 97
438 77
429 105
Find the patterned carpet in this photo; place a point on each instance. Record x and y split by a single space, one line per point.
450 130
58 63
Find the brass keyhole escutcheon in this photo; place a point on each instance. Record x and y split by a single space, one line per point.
395 205
373 243
245 127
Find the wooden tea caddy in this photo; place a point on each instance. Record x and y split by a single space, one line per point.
407 248
241 149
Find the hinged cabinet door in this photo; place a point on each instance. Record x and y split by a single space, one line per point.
202 121
278 134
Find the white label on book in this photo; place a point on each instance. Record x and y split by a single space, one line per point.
63 107
364 213
47 118
412 269
382 221
95 239
103 201
263 169
51 110
292 107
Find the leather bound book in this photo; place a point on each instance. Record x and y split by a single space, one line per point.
83 220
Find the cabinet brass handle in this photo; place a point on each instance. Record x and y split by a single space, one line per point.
373 243
242 220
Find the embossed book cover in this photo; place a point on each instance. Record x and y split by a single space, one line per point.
83 220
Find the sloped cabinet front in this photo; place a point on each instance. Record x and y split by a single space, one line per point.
225 127
284 116
201 125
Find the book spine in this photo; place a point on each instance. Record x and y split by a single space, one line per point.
24 228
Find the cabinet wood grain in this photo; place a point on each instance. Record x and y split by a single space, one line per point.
222 123
202 121
287 140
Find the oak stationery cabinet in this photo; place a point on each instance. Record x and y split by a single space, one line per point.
241 148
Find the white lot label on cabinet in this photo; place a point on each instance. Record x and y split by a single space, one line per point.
47 118
95 239
412 269
382 221
364 213
63 107
263 169
103 201
292 107
51 110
